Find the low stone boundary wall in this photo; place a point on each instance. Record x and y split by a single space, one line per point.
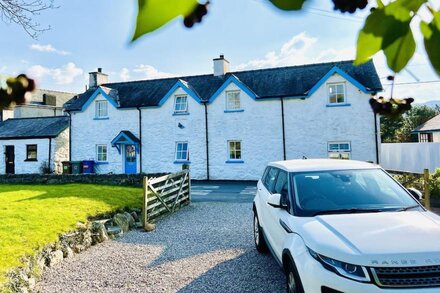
107 179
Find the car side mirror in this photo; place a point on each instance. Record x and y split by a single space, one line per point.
416 193
274 200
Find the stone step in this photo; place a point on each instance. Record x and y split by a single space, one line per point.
114 231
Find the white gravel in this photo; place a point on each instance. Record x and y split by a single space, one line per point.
206 247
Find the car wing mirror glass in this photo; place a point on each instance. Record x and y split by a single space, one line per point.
274 200
416 193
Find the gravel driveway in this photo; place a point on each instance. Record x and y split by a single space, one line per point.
206 247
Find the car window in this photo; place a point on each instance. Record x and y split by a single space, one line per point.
281 183
269 180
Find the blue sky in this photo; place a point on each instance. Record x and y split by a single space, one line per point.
251 33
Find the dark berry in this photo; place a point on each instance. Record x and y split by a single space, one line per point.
188 22
196 15
349 5
390 77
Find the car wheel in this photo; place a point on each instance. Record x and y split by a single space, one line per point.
293 281
260 241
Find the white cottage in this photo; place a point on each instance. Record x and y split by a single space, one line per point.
34 145
226 125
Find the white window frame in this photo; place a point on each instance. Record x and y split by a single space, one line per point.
185 110
234 158
335 84
237 94
339 152
100 111
104 153
178 153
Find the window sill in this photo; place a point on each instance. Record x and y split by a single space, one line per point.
233 111
234 162
180 113
101 118
182 162
338 105
101 163
31 160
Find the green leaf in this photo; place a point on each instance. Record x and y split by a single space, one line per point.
400 52
288 4
152 14
380 4
431 35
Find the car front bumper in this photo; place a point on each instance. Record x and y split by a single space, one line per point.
314 276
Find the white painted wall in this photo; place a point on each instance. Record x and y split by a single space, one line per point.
21 166
160 132
310 124
259 129
87 132
410 157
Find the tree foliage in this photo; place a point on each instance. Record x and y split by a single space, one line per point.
398 128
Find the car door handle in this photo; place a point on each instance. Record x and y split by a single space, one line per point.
285 227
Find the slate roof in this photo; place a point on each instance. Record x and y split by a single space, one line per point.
432 124
39 127
289 81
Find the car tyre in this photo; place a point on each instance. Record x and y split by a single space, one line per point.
293 281
260 241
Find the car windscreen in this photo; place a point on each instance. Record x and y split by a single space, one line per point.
347 191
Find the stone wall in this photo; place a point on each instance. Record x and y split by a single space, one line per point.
108 179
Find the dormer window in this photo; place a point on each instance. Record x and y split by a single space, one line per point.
181 104
233 101
101 108
336 93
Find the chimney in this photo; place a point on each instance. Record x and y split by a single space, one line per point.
221 66
96 78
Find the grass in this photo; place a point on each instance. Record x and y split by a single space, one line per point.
32 216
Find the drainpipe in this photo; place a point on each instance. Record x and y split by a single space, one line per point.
376 137
206 140
70 135
140 139
283 128
50 153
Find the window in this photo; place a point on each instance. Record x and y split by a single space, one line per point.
181 104
101 152
234 149
425 137
101 109
336 93
233 100
182 153
269 181
339 150
31 152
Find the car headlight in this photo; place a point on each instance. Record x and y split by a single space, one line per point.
351 271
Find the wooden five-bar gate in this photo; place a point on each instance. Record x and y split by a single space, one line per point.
164 195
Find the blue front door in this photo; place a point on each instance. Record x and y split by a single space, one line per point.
130 159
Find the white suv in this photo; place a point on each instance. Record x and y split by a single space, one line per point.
346 226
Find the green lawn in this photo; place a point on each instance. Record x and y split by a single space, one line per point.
34 215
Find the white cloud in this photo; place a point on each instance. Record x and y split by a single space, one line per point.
66 74
48 48
150 72
3 69
293 52
124 74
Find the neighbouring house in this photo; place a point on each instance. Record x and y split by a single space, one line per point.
226 125
34 145
429 131
40 103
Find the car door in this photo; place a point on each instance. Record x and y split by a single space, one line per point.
278 215
266 188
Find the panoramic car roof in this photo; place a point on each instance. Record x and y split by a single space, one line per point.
307 165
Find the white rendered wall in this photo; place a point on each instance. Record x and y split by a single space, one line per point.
258 128
310 124
87 132
160 132
22 166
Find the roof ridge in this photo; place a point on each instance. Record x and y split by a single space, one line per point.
42 117
63 92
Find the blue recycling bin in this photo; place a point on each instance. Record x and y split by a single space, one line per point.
88 167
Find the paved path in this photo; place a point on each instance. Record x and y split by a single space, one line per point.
206 247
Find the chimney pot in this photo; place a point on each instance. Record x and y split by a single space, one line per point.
99 69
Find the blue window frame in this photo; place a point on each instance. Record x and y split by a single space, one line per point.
182 151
